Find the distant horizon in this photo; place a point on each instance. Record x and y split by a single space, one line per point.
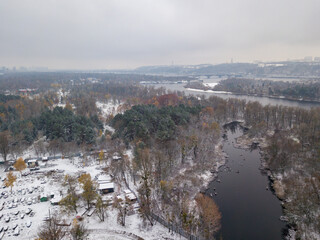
44 68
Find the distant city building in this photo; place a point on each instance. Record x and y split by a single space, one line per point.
316 59
23 69
308 59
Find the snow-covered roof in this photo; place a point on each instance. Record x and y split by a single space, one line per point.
43 195
106 186
32 160
56 199
104 178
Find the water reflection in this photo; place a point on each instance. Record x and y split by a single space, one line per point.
249 209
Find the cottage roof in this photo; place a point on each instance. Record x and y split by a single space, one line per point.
103 186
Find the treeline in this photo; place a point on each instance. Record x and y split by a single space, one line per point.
24 121
17 108
290 90
113 90
5 98
59 123
48 80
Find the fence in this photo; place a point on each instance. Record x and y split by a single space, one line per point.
174 228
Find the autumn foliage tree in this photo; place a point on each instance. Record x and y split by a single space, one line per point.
168 100
101 156
10 180
209 216
88 187
70 201
20 165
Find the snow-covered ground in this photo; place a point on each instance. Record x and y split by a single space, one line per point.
41 183
27 190
207 91
211 85
108 108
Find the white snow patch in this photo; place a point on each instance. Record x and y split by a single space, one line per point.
107 108
207 91
211 85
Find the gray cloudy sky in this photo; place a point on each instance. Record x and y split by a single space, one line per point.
128 33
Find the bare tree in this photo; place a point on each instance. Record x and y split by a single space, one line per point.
39 147
79 231
52 230
4 144
101 209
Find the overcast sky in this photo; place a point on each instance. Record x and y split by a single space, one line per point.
92 34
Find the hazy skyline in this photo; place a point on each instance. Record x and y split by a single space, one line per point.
125 34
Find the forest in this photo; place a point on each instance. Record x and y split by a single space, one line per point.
144 121
175 141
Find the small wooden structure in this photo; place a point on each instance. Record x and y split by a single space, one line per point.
106 187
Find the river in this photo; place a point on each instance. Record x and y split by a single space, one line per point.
250 211
263 100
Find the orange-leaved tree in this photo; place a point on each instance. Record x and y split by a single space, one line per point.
10 180
20 165
209 216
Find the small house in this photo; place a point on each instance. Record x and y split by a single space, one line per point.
32 163
106 187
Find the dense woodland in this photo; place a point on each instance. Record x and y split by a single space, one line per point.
309 91
146 121
174 139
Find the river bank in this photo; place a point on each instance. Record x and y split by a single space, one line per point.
199 87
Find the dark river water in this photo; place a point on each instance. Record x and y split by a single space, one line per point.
249 211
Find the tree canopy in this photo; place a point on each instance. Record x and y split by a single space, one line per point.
144 121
